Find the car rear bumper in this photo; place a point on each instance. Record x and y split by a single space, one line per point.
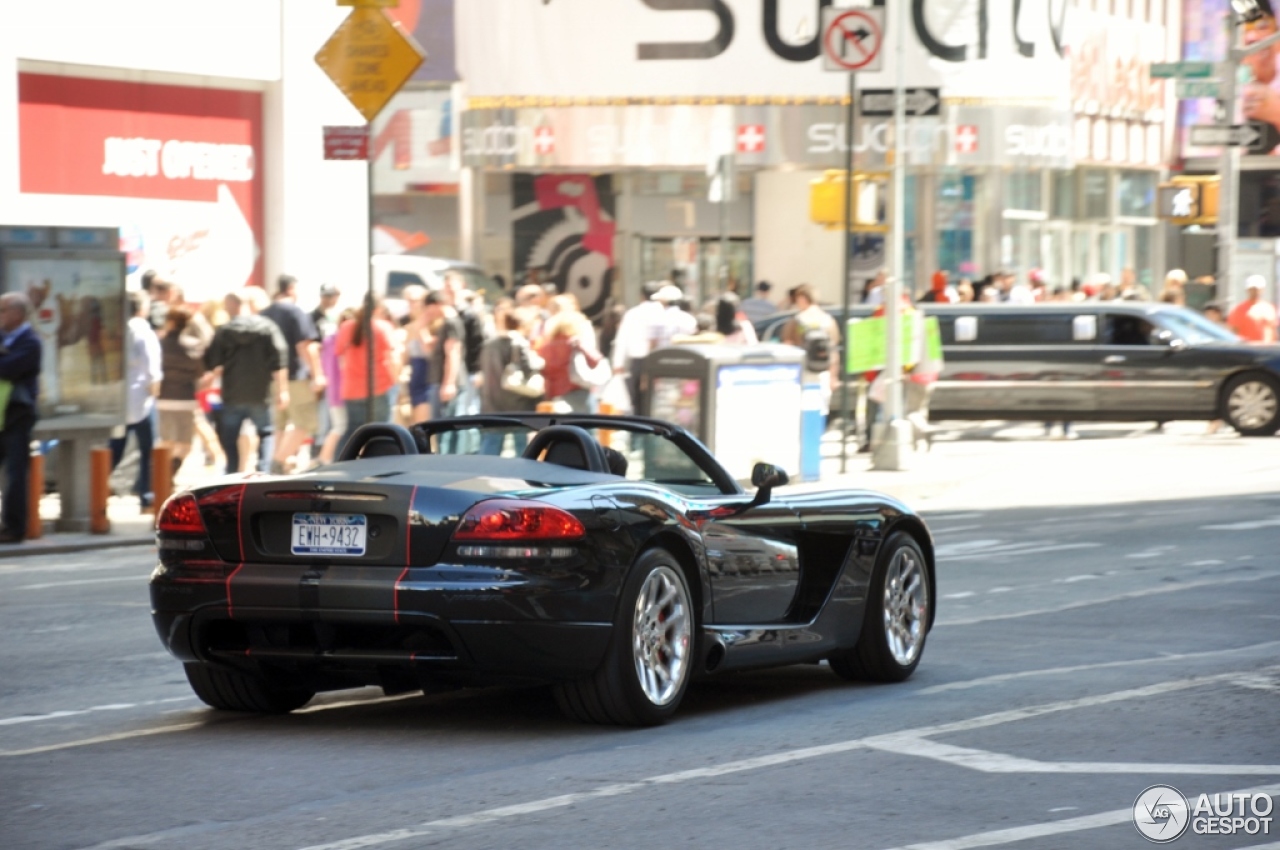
455 621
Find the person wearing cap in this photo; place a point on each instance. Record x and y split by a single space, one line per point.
633 341
675 319
1254 319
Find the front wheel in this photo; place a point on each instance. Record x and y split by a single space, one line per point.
898 613
232 690
646 669
1251 404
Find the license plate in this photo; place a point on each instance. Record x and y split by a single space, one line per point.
328 534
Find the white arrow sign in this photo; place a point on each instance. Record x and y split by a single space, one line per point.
1224 135
881 101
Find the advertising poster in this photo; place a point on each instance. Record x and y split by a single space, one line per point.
180 164
77 311
564 228
769 398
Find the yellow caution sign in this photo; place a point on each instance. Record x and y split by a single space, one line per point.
369 58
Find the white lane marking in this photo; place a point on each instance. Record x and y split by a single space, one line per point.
1064 809
1213 562
1000 589
1078 668
1021 549
57 715
1076 578
487 816
964 594
78 567
1259 683
955 529
1015 834
52 584
986 761
1119 597
183 727
948 549
1250 525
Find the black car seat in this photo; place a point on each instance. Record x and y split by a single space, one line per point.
567 445
616 461
379 439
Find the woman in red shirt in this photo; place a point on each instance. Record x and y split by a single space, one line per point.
567 336
353 359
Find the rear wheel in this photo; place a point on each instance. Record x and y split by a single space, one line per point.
1251 404
232 690
899 610
647 666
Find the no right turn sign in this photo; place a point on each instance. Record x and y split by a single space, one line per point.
852 39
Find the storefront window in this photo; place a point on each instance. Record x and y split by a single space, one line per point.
1024 190
954 216
1064 195
1093 193
1137 194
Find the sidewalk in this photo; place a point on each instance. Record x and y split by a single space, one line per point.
977 465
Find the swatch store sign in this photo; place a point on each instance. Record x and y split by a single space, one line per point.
808 136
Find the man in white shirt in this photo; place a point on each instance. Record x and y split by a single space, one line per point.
143 373
633 341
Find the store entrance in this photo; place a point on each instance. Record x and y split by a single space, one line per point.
696 262
1102 249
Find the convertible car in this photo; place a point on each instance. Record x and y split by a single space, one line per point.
610 557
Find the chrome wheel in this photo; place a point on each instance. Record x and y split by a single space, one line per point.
906 605
1252 404
660 635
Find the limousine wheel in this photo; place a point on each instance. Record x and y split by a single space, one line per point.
1251 404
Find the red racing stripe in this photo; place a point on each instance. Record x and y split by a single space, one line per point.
230 578
395 595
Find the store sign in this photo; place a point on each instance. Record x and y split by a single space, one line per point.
413 145
184 162
646 50
810 136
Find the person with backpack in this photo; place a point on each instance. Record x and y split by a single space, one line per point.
813 330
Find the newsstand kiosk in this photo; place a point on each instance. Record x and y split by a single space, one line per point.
743 402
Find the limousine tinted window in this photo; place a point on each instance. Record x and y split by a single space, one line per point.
1014 329
1128 330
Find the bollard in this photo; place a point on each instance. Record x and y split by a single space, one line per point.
605 436
35 491
161 477
99 489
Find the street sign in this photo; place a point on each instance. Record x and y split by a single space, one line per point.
1226 135
346 142
1167 70
369 59
880 102
1192 89
852 39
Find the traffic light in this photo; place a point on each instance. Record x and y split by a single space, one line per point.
1189 200
870 200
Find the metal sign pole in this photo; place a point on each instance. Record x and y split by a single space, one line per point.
847 244
368 296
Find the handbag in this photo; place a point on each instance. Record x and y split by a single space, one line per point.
522 381
586 376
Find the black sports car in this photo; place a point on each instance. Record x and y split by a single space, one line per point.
611 557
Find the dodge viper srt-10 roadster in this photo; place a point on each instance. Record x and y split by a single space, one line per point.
610 557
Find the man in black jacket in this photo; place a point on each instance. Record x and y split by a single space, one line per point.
20 354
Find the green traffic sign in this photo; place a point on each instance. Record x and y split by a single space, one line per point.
1191 89
1167 70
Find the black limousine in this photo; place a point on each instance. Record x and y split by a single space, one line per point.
1114 361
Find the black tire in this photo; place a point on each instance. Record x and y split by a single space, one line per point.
906 614
231 690
653 631
1251 404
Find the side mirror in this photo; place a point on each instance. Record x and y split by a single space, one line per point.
766 476
1168 339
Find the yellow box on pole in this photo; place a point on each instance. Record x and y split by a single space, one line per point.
827 200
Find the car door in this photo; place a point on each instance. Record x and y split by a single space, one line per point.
753 562
1147 371
1016 363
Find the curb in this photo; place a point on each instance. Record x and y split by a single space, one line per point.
35 549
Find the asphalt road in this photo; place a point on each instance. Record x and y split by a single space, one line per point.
1083 652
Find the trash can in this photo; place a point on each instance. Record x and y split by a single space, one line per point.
742 401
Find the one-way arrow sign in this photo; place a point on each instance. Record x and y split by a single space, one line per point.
880 102
1225 135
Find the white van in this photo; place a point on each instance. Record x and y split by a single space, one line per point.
393 272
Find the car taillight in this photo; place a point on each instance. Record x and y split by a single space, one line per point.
181 515
514 519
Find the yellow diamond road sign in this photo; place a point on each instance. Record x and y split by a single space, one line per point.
369 58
